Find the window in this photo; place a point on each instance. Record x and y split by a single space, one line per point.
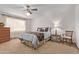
15 24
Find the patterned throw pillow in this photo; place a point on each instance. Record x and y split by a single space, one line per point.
46 29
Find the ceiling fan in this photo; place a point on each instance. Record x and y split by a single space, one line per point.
29 9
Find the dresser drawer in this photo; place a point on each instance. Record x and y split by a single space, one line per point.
3 29
4 36
4 32
1 41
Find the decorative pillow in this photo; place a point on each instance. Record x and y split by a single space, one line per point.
46 29
40 29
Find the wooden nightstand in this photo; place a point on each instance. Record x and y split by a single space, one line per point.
56 37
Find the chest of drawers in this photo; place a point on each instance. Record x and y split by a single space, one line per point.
4 34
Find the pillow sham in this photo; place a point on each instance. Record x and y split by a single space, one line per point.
44 29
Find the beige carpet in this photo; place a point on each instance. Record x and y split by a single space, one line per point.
15 46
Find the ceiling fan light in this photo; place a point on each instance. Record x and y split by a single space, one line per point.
28 14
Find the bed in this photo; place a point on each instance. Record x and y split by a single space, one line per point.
36 38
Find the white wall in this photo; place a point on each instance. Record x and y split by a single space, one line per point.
2 19
77 24
28 25
49 13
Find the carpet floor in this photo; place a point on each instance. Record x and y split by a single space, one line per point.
14 46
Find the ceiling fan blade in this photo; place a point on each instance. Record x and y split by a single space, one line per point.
25 7
35 9
30 12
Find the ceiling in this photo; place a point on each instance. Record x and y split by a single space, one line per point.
17 9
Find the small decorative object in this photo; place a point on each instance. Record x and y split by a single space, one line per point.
1 24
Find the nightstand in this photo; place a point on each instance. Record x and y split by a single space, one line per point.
55 37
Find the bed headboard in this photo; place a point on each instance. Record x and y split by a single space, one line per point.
43 29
